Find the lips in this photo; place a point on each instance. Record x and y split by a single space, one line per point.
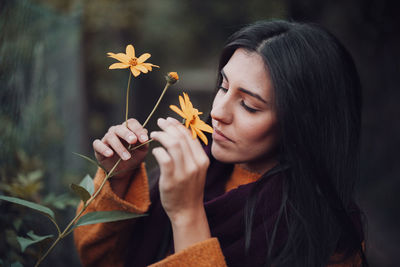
219 136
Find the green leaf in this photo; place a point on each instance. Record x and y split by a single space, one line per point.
29 204
81 192
88 184
91 161
16 264
17 223
32 239
106 216
60 201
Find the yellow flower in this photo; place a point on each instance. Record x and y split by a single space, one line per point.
192 119
128 60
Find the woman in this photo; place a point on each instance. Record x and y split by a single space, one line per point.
274 188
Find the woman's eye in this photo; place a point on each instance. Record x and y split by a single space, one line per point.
249 109
223 89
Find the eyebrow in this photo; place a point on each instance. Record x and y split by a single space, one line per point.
245 90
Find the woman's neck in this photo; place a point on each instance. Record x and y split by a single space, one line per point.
260 167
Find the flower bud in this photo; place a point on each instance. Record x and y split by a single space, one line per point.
172 77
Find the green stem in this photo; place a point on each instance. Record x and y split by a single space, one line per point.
127 99
138 146
158 102
55 223
48 251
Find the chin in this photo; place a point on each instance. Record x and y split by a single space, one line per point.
221 154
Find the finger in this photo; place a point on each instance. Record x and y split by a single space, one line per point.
171 129
193 145
183 134
178 147
112 140
123 132
164 161
102 149
172 146
182 128
138 130
174 121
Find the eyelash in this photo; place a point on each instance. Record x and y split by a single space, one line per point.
223 89
249 109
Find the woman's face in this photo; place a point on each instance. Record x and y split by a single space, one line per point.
243 114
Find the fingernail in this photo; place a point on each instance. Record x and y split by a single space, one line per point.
143 138
130 138
126 155
108 152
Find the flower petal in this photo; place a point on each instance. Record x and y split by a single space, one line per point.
186 96
201 135
118 66
203 126
134 71
130 51
196 111
147 66
194 135
141 68
187 123
177 110
182 103
143 58
120 56
189 106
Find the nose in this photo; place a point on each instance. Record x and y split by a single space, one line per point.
222 110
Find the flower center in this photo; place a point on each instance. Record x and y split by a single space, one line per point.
133 61
191 121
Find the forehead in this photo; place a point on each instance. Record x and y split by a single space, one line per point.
247 70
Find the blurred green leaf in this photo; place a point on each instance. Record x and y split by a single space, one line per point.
29 204
35 175
17 223
16 264
106 216
88 184
24 185
91 161
60 201
33 239
83 194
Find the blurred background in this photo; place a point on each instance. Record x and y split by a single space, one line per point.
57 95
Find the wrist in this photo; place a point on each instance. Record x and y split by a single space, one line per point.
188 216
190 228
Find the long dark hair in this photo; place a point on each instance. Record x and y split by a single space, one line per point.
318 101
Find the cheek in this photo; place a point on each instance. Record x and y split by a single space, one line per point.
261 134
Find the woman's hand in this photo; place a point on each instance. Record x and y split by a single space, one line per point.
114 146
183 165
